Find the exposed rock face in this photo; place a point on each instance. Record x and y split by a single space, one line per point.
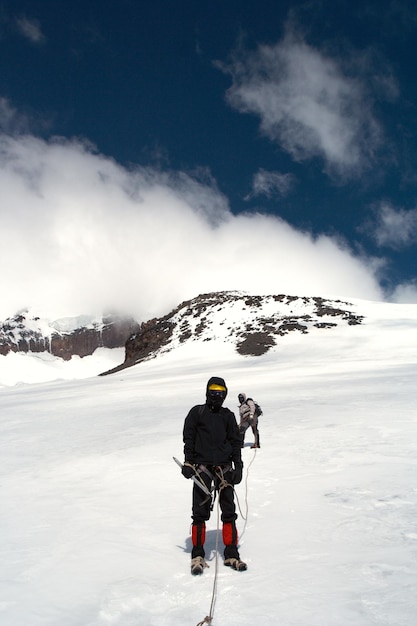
151 337
253 324
24 333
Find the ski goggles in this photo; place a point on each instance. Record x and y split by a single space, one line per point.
216 391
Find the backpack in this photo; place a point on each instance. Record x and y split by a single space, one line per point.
258 410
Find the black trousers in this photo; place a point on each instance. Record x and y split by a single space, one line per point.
202 510
202 502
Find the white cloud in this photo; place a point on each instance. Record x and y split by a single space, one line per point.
307 104
270 184
394 228
406 293
11 121
31 29
81 234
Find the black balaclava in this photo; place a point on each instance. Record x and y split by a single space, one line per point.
216 393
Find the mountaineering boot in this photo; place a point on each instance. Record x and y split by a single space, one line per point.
231 554
197 565
198 537
236 564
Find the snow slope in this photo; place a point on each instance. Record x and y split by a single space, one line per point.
95 515
40 367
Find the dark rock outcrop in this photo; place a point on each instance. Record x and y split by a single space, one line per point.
24 333
253 324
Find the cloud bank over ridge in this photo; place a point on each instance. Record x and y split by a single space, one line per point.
82 234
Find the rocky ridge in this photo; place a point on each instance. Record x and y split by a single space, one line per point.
253 324
64 338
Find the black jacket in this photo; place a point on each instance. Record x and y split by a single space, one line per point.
211 438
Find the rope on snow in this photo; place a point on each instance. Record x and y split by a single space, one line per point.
209 618
245 517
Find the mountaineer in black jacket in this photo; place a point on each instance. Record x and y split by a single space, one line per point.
212 450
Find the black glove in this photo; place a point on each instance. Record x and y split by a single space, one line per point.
187 471
236 474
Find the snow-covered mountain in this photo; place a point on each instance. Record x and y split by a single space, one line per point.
258 324
95 515
35 349
64 338
252 324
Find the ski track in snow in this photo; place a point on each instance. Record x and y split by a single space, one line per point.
95 515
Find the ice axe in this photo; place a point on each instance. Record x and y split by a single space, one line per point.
195 479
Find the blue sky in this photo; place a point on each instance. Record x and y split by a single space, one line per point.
293 118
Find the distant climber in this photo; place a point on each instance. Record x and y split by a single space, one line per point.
249 412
